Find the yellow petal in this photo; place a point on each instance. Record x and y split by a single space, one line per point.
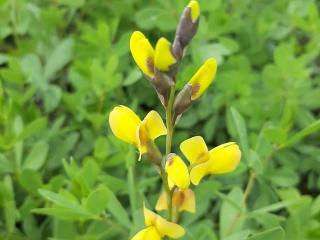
154 125
147 234
224 158
195 10
185 200
149 217
162 203
124 124
199 171
203 78
142 52
169 229
177 171
163 58
195 150
170 183
143 138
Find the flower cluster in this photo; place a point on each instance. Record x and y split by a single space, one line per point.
160 66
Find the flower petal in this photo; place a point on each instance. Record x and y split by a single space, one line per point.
154 125
224 158
203 78
170 229
142 53
187 200
149 217
195 150
199 171
163 58
177 171
147 234
162 203
124 124
195 10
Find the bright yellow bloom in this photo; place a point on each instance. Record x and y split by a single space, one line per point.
177 171
147 58
195 10
203 78
142 52
221 159
183 200
163 55
158 227
127 126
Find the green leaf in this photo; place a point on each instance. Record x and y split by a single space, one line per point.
231 217
312 128
242 235
241 130
32 128
8 204
275 134
276 233
60 56
117 210
97 200
30 180
52 96
37 156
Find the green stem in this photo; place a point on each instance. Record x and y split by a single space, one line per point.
169 120
170 127
132 191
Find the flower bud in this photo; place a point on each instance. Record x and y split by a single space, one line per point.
187 28
199 82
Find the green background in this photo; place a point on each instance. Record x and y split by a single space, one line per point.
65 64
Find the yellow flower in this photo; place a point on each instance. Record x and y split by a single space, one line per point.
127 126
195 10
203 78
177 171
142 52
183 200
158 227
163 56
221 159
147 58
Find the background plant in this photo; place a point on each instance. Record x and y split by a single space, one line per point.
64 64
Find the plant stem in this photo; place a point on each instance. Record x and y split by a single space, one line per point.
247 191
170 128
169 119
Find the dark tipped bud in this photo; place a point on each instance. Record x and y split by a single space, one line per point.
182 102
186 29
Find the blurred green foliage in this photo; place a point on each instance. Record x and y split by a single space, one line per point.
65 64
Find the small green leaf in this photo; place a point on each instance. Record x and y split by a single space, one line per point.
312 128
241 130
60 56
276 233
97 200
37 156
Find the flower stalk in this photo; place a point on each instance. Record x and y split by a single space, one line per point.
160 66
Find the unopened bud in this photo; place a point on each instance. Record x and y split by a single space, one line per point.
182 102
186 29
